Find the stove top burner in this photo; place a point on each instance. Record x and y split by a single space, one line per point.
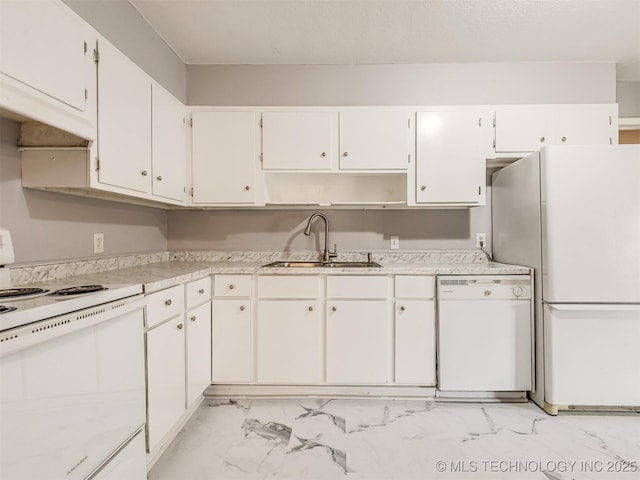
78 290
5 309
20 292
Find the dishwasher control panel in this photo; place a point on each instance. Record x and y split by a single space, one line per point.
480 287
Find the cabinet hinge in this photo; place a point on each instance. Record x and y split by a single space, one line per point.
96 54
262 157
609 119
85 48
494 143
97 164
86 94
480 190
494 122
192 191
191 122
184 120
261 123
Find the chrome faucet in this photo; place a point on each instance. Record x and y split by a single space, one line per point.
326 254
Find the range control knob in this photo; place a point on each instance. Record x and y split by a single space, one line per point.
517 291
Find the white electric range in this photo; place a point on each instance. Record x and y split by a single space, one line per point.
24 305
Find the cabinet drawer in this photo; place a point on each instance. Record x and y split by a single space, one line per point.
164 305
232 286
363 286
289 286
198 292
414 286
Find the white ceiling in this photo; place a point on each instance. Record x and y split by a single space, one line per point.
399 31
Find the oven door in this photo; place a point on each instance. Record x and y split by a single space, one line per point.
71 390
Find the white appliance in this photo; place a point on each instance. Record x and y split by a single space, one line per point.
6 257
484 333
72 388
573 214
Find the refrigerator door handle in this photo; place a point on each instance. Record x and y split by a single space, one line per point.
594 307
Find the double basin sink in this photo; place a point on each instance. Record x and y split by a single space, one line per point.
323 264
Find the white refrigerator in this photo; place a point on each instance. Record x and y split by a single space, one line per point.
573 214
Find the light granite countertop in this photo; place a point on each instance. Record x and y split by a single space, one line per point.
160 275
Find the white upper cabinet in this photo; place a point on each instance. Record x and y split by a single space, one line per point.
124 122
527 128
46 62
224 154
451 149
168 147
374 140
298 140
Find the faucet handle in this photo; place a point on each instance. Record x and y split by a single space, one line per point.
334 254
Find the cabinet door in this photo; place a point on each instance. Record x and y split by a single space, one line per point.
415 350
124 121
374 140
168 147
224 156
42 44
232 341
584 125
298 140
357 341
523 128
198 323
165 379
289 342
451 150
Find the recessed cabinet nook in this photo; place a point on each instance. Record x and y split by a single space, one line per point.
111 131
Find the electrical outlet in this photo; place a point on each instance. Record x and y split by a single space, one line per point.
98 242
481 240
394 242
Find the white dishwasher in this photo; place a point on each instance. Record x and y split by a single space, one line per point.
484 333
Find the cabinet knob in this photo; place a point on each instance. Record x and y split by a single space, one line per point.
542 139
144 173
231 287
193 319
333 309
323 154
402 308
311 309
201 291
247 188
345 154
242 308
180 326
159 178
168 302
423 188
563 139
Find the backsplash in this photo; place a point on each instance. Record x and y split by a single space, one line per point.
21 275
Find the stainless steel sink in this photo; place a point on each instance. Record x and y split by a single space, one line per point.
323 264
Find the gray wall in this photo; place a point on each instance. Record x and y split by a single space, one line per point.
628 94
441 84
351 230
122 25
53 226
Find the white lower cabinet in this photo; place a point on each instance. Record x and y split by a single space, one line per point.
232 351
198 324
298 325
232 355
415 330
357 341
165 379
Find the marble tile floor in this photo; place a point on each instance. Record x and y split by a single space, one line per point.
398 439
